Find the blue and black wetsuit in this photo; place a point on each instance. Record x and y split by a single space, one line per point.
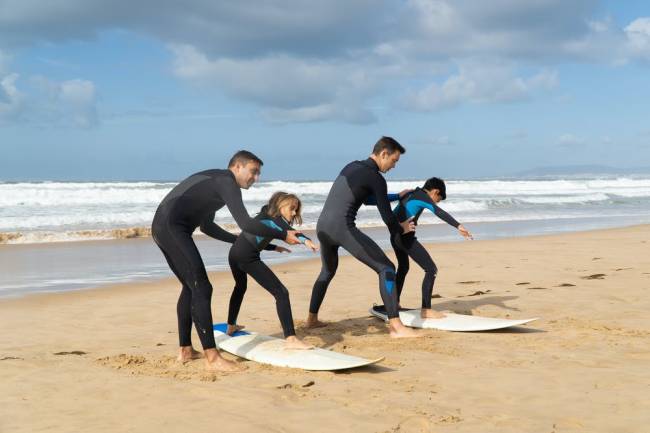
411 206
244 258
191 204
354 186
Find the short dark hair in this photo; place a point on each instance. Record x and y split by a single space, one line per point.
244 157
436 183
389 144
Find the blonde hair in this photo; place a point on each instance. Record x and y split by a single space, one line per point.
280 199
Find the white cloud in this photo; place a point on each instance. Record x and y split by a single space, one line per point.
570 140
479 83
290 89
312 61
46 102
638 36
10 98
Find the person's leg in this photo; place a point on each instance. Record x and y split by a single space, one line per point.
367 251
186 262
237 296
329 263
269 281
421 256
183 314
402 269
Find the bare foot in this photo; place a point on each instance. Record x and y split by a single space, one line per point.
313 322
427 313
234 328
187 354
294 342
215 362
397 329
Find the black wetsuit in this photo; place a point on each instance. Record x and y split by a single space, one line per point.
336 228
191 204
244 258
411 206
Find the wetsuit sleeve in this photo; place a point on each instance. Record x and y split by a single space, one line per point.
383 205
301 237
211 229
270 247
371 200
442 215
231 195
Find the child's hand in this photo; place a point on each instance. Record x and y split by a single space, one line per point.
466 234
312 246
280 249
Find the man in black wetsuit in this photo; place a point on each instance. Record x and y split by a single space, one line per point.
356 183
191 204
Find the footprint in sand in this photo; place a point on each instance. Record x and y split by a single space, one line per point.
7 358
566 285
594 277
477 293
469 282
536 288
73 352
522 284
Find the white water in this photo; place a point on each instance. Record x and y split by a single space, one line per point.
33 212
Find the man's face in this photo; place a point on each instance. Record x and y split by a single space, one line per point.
246 175
387 160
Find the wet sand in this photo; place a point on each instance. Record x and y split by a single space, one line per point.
103 359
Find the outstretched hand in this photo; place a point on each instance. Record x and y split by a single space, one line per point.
466 234
312 246
291 238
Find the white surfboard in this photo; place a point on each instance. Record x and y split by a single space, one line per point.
453 322
271 350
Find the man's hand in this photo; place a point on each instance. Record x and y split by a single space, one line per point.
279 249
291 238
408 226
404 192
466 234
312 246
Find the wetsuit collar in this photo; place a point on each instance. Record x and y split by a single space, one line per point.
371 163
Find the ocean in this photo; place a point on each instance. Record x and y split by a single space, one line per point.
37 212
43 225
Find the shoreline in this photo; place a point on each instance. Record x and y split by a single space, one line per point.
282 262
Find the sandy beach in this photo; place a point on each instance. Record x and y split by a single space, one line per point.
103 360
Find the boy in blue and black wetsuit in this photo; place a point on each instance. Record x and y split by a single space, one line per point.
411 207
282 210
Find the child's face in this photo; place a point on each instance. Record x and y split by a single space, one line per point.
435 195
288 210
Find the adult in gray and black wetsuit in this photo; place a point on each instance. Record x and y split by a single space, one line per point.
191 204
356 183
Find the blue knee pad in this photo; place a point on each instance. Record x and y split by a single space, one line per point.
388 277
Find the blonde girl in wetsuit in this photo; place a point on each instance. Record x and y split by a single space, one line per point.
282 211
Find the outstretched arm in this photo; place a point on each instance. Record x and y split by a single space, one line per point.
211 229
371 200
383 205
231 194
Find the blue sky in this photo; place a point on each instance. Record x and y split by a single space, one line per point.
159 89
